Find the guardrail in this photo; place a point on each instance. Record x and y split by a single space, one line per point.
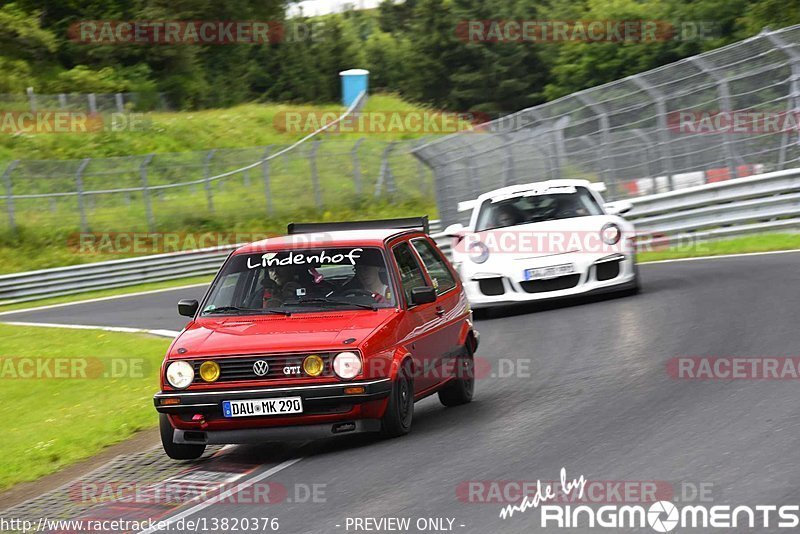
761 203
46 283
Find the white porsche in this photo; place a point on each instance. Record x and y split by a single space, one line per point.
544 240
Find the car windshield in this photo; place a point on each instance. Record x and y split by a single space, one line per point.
555 203
301 280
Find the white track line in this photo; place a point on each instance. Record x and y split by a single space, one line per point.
741 255
124 329
164 523
101 299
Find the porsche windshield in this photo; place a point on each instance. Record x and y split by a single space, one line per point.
555 203
299 280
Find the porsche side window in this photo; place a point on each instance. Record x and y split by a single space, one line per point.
411 275
437 269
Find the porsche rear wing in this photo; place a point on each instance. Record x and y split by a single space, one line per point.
408 223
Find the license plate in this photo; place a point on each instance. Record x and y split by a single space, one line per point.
261 407
543 273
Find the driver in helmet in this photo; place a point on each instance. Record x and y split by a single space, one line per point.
370 278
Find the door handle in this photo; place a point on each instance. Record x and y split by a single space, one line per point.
439 311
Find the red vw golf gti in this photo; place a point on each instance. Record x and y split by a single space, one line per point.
334 329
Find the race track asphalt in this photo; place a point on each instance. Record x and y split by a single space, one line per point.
591 393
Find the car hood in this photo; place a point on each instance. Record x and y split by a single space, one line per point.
299 332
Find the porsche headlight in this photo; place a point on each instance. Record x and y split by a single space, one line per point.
610 234
478 252
347 365
180 374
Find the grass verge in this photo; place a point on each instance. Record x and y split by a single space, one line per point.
738 245
53 422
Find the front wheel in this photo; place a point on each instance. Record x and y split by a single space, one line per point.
176 451
400 409
459 391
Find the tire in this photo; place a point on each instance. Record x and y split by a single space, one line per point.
176 451
399 414
460 390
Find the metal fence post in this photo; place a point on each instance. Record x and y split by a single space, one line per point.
357 167
148 202
62 101
385 178
92 103
725 101
31 99
509 170
10 193
265 174
793 102
609 165
79 190
663 128
312 162
120 102
206 178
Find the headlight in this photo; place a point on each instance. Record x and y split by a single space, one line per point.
347 365
209 371
313 365
180 374
478 252
610 234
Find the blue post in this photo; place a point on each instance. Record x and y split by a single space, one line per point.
354 82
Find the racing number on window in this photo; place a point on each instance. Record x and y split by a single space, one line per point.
437 269
410 271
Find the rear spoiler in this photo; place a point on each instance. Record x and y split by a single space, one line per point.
409 223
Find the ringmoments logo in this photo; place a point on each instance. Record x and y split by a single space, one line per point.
660 516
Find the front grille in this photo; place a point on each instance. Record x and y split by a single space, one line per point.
607 270
491 286
553 284
234 368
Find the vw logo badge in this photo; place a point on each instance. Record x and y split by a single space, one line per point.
260 368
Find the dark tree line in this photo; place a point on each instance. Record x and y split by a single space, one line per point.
411 47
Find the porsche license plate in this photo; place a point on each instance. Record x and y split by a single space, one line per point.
261 407
554 271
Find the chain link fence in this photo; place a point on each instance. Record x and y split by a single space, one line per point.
728 113
143 193
88 102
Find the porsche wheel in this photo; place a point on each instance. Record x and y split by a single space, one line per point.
400 410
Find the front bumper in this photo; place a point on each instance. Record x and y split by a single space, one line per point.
275 434
507 287
314 396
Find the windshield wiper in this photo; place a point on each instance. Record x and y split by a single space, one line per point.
255 311
335 302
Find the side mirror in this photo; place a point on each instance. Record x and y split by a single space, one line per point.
423 295
454 229
619 207
188 308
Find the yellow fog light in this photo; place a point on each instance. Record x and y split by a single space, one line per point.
209 371
313 365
